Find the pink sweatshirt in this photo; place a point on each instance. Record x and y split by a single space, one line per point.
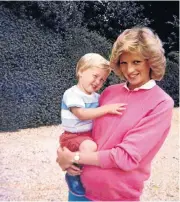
127 143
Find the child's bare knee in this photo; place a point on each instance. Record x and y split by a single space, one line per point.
88 145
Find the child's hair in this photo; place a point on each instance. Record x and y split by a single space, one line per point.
143 41
91 60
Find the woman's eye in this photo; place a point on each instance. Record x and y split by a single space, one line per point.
95 76
137 62
122 63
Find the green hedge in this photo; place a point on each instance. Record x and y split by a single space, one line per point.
170 82
38 65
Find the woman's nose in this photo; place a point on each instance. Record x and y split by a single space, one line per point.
130 68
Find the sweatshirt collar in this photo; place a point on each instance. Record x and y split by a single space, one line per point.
150 84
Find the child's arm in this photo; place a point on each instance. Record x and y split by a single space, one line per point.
92 113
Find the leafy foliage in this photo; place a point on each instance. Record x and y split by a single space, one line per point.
41 43
174 56
59 16
38 65
170 82
110 18
172 42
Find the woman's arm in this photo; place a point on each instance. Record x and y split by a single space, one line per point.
147 137
149 133
65 158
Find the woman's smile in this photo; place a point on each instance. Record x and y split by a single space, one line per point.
133 76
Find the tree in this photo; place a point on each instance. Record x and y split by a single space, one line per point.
59 16
170 82
109 18
172 43
37 66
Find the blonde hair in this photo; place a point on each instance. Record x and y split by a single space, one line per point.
143 41
91 60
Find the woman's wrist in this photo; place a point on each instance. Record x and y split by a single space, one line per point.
89 158
86 158
76 157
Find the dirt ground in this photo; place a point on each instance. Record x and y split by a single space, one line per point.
28 170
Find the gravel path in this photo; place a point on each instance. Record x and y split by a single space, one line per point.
28 170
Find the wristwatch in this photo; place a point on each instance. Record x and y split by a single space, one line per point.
76 158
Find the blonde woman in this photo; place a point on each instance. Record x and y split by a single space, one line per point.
127 145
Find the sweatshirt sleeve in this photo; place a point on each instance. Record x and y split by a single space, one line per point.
139 141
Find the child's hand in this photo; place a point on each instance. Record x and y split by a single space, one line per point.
115 108
74 170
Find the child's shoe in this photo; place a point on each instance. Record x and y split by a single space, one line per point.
75 185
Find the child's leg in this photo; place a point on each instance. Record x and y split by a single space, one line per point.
75 185
87 145
74 182
76 143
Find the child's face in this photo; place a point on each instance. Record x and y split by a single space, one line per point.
92 79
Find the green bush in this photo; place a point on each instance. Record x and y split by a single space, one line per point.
38 62
38 65
170 82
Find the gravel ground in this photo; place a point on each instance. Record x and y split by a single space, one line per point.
28 170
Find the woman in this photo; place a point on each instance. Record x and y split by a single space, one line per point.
128 143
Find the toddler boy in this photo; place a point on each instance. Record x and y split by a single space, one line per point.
80 105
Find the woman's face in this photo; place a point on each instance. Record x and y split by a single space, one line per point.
135 69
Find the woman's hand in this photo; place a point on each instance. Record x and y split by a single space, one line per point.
64 158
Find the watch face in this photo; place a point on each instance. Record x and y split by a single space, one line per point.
76 158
